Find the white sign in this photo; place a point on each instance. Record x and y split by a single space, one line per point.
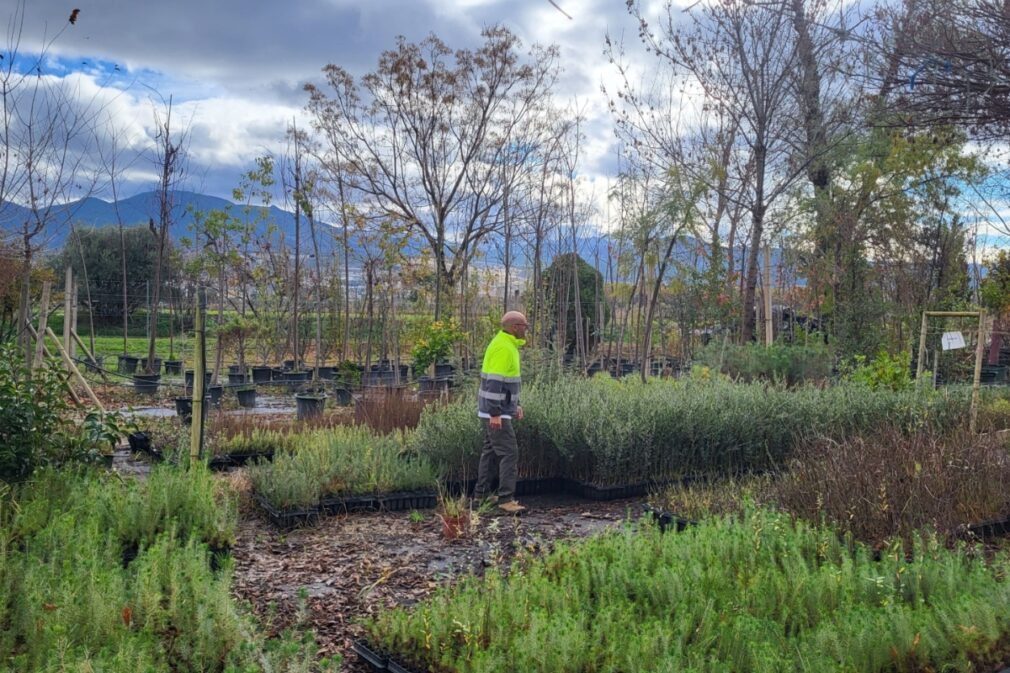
952 341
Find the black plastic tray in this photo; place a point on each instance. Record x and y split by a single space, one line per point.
288 518
377 662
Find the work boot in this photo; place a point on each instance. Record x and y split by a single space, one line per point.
512 507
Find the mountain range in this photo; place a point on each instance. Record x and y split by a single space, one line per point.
140 208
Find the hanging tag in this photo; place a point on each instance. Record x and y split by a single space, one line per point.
952 341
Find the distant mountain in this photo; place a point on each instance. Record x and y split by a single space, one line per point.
136 210
139 209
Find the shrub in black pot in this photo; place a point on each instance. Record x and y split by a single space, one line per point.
246 397
342 396
146 384
310 405
127 364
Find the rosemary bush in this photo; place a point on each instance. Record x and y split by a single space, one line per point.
67 603
624 432
344 461
759 593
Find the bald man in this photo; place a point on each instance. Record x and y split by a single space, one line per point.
497 406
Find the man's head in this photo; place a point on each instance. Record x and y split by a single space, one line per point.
515 324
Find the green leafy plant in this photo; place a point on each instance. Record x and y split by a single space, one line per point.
883 371
435 343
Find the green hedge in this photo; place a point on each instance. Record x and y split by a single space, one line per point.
611 432
760 593
69 602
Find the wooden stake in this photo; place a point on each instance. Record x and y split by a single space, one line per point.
976 381
920 364
87 353
66 382
199 366
73 321
68 298
769 333
43 320
74 370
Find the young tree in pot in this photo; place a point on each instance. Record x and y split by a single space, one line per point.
454 514
435 344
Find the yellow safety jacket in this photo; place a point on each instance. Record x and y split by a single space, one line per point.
500 381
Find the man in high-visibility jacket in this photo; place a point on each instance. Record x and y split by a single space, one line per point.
497 406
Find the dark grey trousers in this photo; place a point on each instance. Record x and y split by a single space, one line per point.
500 456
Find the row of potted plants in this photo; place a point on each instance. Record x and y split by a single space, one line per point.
758 592
608 432
339 469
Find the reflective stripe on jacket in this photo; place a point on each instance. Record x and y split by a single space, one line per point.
500 377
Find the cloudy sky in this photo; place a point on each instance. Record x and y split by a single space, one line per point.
235 69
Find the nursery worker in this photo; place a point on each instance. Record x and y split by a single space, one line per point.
497 406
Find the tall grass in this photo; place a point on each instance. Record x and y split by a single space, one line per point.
758 593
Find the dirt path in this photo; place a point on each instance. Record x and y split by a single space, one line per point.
350 566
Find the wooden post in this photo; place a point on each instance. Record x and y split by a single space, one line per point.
68 298
920 363
74 370
976 381
73 321
43 320
769 332
199 367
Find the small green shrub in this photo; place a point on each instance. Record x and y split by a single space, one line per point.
892 372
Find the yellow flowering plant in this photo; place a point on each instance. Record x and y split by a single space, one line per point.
435 343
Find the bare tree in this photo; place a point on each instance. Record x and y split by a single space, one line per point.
426 132
169 157
46 128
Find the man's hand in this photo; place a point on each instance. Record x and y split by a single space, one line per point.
495 422
519 413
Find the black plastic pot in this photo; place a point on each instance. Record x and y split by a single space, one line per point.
146 384
207 376
236 378
327 373
127 364
173 367
433 385
443 370
310 406
184 408
246 397
234 369
215 393
140 442
298 377
261 374
156 369
393 666
290 365
342 396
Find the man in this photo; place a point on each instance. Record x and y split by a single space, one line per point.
497 406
